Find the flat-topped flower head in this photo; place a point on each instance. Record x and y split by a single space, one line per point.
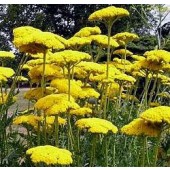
36 94
96 125
158 56
81 111
125 37
6 55
21 79
137 57
102 41
158 114
56 104
30 119
122 52
75 43
31 40
69 57
125 78
140 127
50 155
109 13
5 73
51 72
87 31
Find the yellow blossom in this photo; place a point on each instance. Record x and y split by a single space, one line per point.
22 79
27 120
87 31
124 37
81 111
96 125
50 155
35 94
78 42
51 72
88 92
109 13
6 72
122 52
140 127
6 54
157 114
31 40
102 40
68 57
125 77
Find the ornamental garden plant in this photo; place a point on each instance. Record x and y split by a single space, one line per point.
83 111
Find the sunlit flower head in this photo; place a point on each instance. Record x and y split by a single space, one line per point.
158 114
125 37
6 55
140 127
122 52
81 111
96 125
50 155
87 31
109 13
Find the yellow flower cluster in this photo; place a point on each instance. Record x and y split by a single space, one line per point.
5 73
31 40
157 56
125 37
68 57
81 111
27 120
96 125
21 79
56 104
50 120
129 97
140 127
89 92
110 13
102 41
137 57
41 55
122 52
6 54
125 77
87 31
50 155
36 94
158 114
78 42
51 72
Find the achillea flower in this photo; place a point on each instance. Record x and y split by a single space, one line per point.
76 43
88 92
100 77
122 61
41 55
158 56
50 120
6 54
31 40
109 13
6 72
22 79
122 52
125 37
36 62
158 114
27 120
141 127
62 86
27 67
51 72
81 111
36 94
96 125
69 57
50 155
137 57
102 41
56 104
87 31
125 77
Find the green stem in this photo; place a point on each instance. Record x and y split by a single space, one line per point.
108 50
106 152
93 151
56 129
143 151
156 149
69 84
